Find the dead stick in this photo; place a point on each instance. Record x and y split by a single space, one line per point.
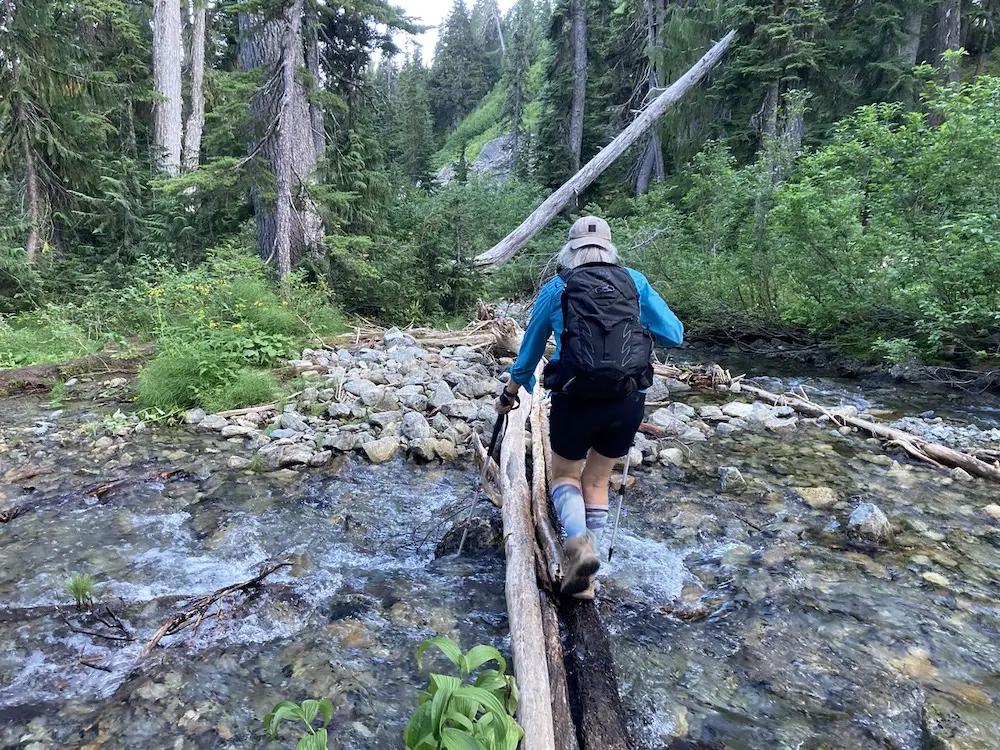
201 605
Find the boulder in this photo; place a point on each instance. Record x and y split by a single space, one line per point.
281 456
320 458
993 511
357 386
339 411
737 409
213 422
460 409
667 421
415 426
383 419
381 450
446 450
672 456
711 413
424 449
283 434
682 411
395 337
440 394
235 430
194 416
292 421
869 524
344 442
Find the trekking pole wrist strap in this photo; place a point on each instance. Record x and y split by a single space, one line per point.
509 398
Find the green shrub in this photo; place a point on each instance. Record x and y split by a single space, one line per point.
246 388
173 380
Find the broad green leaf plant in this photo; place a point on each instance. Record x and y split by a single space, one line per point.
459 713
306 712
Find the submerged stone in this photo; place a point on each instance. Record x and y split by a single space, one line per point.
869 524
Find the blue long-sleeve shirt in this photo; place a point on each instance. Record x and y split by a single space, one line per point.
547 318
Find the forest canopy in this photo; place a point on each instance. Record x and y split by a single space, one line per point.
170 170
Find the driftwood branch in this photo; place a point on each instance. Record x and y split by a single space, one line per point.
541 216
199 607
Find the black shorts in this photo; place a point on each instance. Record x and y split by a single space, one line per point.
577 425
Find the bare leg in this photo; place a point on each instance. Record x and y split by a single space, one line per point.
596 479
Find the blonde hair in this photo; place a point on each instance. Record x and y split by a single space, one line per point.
570 258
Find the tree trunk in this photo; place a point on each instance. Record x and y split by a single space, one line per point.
949 20
316 117
291 224
579 102
196 62
34 239
911 43
167 112
551 206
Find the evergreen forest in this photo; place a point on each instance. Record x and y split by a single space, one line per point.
228 179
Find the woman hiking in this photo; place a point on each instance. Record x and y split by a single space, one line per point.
605 318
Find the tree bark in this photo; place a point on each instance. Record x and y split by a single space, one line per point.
284 141
579 101
167 112
949 20
562 715
316 117
34 239
911 43
523 606
601 718
551 206
196 74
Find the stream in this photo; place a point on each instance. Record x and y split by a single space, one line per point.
806 640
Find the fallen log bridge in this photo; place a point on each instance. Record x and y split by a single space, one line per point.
568 690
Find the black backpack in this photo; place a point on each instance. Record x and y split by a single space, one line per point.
606 352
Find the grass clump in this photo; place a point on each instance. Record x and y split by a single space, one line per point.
81 588
246 388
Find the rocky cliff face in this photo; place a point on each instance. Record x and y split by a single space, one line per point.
495 161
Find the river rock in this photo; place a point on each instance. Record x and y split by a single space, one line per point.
383 419
320 458
238 462
446 450
213 422
284 434
737 409
236 430
415 426
711 413
440 394
344 442
672 456
868 523
281 456
935 578
291 420
194 416
730 478
395 337
960 474
819 498
460 409
424 448
339 411
381 450
358 386
993 511
667 421
682 411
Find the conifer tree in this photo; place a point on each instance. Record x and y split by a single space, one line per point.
414 129
457 80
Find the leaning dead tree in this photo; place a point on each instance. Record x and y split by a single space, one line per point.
541 216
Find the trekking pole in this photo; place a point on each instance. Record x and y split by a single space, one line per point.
498 428
621 503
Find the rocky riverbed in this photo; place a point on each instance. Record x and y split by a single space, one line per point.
777 582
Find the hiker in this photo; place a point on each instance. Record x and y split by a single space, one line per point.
605 318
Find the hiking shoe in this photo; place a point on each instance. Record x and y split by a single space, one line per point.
589 593
581 564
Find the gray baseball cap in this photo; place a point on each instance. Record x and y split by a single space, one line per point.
590 230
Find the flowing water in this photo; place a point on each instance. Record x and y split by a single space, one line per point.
742 619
